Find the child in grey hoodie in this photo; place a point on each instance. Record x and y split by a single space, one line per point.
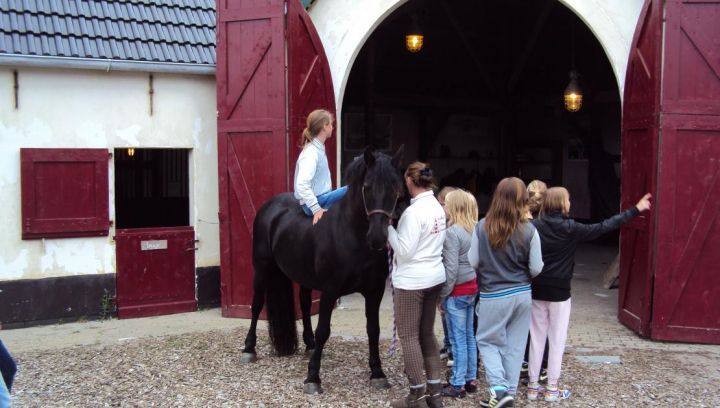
505 250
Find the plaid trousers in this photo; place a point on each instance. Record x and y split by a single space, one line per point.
415 317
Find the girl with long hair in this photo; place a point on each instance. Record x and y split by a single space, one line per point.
505 251
313 180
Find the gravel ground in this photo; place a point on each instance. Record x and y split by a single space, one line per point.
202 370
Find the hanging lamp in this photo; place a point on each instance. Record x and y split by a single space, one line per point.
414 39
573 95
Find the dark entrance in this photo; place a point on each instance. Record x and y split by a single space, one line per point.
483 99
154 239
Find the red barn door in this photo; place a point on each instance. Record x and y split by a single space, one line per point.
686 300
639 153
257 147
669 268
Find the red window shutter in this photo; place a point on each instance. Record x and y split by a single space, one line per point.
64 193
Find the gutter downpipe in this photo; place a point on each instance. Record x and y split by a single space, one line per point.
105 64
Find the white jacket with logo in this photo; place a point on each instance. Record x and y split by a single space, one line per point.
418 244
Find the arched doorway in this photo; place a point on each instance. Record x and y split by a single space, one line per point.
483 99
672 90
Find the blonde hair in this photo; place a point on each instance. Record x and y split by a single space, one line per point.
444 192
536 195
556 200
507 211
316 120
462 209
420 174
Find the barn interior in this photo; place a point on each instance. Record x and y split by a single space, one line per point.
151 188
483 98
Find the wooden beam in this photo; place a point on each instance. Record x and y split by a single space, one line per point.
529 45
468 46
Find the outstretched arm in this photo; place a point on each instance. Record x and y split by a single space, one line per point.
588 232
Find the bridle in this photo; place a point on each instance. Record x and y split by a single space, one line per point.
388 214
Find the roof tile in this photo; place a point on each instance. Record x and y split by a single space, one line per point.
143 30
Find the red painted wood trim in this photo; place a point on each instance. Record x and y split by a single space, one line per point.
95 222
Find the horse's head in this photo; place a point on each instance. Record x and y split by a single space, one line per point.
375 179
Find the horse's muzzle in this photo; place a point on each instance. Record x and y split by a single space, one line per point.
377 241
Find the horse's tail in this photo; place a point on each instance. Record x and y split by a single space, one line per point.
278 287
281 314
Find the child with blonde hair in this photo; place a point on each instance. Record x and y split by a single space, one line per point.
536 196
313 180
560 236
457 296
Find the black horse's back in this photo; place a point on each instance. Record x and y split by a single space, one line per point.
344 252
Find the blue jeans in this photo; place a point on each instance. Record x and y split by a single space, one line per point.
7 367
327 199
459 311
4 395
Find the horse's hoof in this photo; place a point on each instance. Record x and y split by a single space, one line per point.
247 358
379 383
312 389
309 352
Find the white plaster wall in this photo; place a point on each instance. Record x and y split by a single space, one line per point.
345 25
94 109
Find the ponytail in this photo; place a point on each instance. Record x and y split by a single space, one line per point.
306 137
316 120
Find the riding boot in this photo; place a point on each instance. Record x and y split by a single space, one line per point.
414 399
434 395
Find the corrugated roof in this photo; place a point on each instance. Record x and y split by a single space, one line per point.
167 31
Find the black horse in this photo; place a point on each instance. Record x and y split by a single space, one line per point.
345 252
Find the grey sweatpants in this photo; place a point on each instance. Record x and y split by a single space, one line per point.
502 329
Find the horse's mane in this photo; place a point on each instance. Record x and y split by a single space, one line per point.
355 171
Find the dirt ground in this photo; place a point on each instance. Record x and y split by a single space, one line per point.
202 370
192 360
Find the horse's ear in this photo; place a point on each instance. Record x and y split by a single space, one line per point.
398 156
369 156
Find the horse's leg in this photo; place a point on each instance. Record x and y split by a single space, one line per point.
305 304
322 332
372 316
249 355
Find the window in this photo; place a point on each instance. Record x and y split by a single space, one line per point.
151 188
64 193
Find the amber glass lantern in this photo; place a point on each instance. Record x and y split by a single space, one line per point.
414 39
573 94
414 42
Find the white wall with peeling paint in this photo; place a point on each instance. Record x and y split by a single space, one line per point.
92 109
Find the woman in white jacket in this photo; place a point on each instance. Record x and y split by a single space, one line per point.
418 276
